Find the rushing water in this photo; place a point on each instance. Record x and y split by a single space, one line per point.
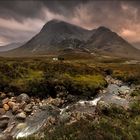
36 122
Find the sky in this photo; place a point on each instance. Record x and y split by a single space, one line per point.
20 20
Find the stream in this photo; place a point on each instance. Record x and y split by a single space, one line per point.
117 92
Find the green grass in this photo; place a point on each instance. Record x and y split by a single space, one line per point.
40 77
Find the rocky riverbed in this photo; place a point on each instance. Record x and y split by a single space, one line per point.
21 116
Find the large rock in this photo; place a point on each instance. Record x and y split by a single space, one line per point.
21 116
23 97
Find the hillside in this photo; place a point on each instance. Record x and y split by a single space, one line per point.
58 36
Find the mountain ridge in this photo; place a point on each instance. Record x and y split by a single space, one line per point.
56 36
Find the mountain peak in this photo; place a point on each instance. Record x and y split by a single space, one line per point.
54 21
103 28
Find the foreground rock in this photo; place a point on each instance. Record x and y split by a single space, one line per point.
23 98
28 115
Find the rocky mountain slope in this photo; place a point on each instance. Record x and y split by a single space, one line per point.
57 36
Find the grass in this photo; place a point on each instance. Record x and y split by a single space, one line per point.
40 77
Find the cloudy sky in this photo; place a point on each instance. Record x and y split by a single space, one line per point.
22 19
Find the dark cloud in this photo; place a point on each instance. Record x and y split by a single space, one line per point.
28 16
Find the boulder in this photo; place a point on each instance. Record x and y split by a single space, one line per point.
21 116
6 107
23 97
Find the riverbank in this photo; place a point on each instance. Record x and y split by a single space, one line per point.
22 116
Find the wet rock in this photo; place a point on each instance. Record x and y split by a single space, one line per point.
6 107
21 126
21 116
102 107
2 111
28 108
4 117
5 101
4 122
23 97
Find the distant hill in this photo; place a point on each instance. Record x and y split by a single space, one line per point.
58 37
105 41
10 46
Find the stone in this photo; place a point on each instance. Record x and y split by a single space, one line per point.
21 116
5 101
2 95
11 104
13 99
19 111
23 97
22 105
28 108
10 94
2 111
56 102
4 117
6 107
15 108
4 122
21 126
5 137
103 107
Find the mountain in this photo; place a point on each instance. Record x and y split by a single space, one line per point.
58 37
107 42
54 34
10 46
137 45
